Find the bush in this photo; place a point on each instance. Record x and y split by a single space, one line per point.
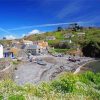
91 49
65 84
1 97
16 97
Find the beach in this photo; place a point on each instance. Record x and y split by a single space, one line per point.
34 73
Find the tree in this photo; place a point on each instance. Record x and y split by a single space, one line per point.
75 27
59 29
4 38
91 49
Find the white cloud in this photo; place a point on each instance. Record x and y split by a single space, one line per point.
9 37
42 25
35 32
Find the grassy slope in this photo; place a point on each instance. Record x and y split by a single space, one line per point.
67 87
58 35
90 34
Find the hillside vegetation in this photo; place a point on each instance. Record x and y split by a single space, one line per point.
89 44
67 86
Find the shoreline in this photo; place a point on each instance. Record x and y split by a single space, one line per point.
79 68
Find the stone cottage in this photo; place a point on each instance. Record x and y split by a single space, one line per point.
50 38
68 35
34 49
39 47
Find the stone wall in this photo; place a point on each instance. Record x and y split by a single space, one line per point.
7 73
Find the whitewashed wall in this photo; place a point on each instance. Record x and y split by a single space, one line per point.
1 51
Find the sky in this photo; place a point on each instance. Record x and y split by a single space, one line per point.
25 17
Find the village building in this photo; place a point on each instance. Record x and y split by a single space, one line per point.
27 42
1 51
14 50
11 52
68 35
8 54
15 42
81 34
34 49
50 38
38 47
68 41
43 44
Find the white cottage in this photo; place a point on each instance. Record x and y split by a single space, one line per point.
1 51
81 34
27 42
50 38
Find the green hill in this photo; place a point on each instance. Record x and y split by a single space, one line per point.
92 37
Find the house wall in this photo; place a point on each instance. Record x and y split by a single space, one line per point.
15 50
43 44
35 51
1 51
8 54
27 42
39 50
32 51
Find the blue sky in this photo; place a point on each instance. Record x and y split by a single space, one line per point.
19 17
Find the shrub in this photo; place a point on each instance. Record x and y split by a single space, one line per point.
65 84
16 97
1 97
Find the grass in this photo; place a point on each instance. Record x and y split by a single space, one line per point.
16 62
59 35
61 50
54 51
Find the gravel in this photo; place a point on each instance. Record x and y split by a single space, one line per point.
34 73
